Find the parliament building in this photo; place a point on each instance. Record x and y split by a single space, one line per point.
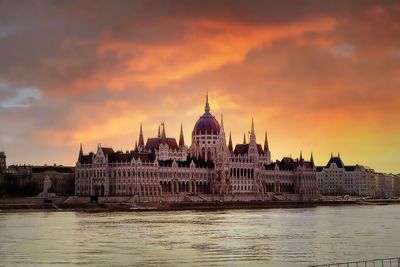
210 169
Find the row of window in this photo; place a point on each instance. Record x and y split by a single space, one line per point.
242 172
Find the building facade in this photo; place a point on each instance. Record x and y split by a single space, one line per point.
3 164
387 185
337 179
3 167
163 169
62 179
26 180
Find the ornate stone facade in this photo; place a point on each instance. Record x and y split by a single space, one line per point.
209 170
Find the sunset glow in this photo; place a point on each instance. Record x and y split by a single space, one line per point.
320 77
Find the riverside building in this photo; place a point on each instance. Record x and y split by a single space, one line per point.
3 164
210 169
338 179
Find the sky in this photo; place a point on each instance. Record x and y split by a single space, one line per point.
318 76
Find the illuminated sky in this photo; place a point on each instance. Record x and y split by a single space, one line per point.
320 76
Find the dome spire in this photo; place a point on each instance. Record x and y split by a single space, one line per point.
207 107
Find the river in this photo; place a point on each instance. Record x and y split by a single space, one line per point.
264 237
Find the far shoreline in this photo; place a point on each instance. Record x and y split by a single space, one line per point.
180 206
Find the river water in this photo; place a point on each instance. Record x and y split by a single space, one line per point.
269 237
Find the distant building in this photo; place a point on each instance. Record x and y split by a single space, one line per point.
62 178
17 181
387 185
163 169
26 180
3 167
337 179
3 164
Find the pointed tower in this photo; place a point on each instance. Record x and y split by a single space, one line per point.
80 153
253 150
252 133
312 159
266 149
163 135
141 139
159 132
181 139
244 138
222 134
207 106
266 146
136 147
230 147
301 156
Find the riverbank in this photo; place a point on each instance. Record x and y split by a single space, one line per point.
62 204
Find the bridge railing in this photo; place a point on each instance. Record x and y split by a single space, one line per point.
387 262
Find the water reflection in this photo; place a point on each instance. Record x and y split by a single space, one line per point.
220 238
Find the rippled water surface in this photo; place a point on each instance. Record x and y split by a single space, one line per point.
275 237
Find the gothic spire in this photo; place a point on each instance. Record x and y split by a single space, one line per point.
163 135
207 107
252 133
266 147
141 139
80 152
312 158
230 147
136 145
301 155
181 140
244 138
159 131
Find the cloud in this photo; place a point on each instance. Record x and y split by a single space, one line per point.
206 46
17 97
342 50
318 75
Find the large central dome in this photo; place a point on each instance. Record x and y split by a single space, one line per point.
207 123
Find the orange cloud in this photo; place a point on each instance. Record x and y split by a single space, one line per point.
94 124
317 77
207 45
